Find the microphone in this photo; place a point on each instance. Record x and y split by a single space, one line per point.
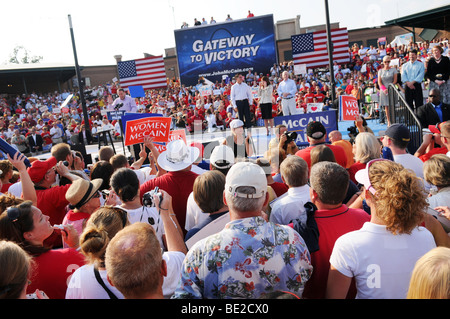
118 106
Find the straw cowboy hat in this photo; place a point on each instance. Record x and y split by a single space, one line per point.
81 191
177 156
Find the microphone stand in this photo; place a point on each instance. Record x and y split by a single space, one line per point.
116 108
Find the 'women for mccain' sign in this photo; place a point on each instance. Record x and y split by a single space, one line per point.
224 49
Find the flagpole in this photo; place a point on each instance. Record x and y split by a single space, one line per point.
330 60
80 80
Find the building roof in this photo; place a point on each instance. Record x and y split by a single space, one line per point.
437 19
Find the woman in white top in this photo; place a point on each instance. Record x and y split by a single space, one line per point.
382 254
265 91
436 171
89 281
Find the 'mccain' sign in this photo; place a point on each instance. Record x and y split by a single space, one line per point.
156 127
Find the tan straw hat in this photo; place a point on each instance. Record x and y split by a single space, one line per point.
81 191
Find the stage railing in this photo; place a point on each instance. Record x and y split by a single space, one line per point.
401 112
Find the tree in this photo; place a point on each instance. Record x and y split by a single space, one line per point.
22 55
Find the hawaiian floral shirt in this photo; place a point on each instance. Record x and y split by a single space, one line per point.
250 257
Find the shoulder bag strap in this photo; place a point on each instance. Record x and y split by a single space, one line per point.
100 281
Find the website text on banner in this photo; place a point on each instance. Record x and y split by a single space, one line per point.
173 135
348 108
297 123
224 49
156 127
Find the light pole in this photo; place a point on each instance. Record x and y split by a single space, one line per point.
80 80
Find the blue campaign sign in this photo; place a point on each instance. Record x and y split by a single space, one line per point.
136 91
224 49
298 123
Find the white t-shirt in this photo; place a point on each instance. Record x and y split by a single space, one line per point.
84 285
147 215
194 214
411 162
381 262
291 206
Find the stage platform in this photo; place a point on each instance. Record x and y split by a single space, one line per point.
260 138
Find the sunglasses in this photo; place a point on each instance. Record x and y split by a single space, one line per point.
432 96
13 213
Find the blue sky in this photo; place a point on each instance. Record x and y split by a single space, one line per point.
103 29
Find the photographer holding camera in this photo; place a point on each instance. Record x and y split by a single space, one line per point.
287 144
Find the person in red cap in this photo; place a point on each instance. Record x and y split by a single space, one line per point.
51 200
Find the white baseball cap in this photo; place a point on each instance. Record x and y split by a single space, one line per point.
246 174
236 123
224 154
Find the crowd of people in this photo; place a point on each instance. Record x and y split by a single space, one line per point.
212 20
360 219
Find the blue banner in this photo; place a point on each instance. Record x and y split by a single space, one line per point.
224 49
297 123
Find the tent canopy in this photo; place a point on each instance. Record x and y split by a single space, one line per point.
437 19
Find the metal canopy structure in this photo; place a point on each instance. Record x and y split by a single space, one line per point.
25 78
437 19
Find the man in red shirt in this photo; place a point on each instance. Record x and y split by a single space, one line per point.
316 135
51 200
178 181
328 188
309 96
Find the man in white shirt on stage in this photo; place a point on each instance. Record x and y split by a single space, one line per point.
241 98
128 103
287 90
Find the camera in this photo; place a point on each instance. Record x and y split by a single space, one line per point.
147 199
290 136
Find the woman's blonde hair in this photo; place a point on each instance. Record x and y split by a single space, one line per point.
367 147
436 170
101 227
431 276
15 265
400 199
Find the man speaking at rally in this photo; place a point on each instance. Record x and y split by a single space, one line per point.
241 98
124 103
287 90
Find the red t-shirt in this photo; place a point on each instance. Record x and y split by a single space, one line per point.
52 202
332 224
279 188
437 150
309 98
319 97
53 270
338 151
178 185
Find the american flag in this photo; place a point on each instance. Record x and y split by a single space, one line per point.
147 72
311 48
